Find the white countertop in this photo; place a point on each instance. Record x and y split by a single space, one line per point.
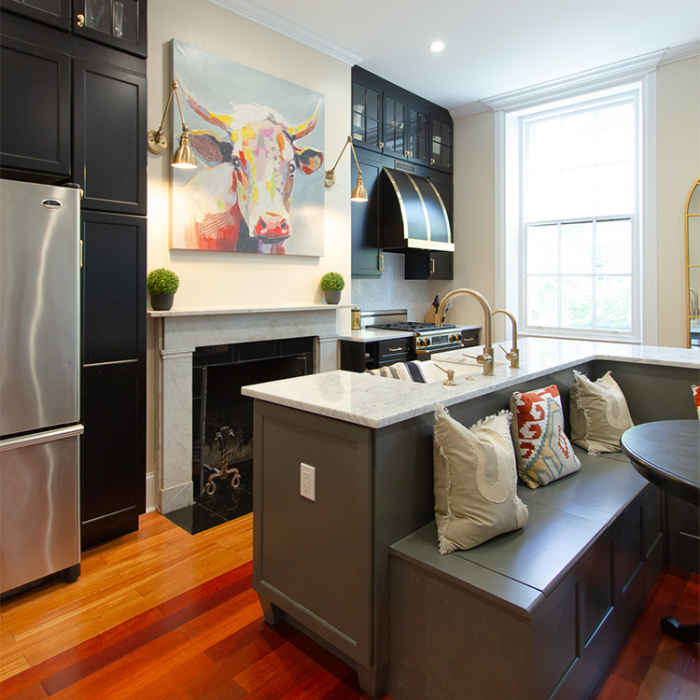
377 401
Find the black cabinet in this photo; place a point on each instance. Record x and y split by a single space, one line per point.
75 111
35 88
428 264
117 23
56 13
114 375
441 147
390 120
109 121
367 260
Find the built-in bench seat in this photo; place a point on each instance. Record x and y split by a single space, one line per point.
533 614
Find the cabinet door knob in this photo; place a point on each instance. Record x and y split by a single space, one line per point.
432 161
81 20
381 144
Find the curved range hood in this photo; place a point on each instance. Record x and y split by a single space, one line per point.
412 213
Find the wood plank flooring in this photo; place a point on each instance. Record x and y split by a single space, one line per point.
161 614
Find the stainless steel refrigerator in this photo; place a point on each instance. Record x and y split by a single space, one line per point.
39 383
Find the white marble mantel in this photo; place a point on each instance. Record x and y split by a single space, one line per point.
178 332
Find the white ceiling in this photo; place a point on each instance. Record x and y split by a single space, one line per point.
491 47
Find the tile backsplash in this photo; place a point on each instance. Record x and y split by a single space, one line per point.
392 291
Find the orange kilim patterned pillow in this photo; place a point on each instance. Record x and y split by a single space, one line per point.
542 449
696 398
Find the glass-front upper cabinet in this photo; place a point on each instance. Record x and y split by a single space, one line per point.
57 13
394 126
441 145
692 252
366 116
417 135
117 23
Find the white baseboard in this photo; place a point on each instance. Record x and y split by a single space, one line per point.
150 492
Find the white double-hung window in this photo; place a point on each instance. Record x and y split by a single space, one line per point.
579 231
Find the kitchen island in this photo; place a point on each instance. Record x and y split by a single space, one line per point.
323 563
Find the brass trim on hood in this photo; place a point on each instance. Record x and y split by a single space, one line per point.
404 218
412 221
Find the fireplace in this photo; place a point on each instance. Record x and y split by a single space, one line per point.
222 418
178 335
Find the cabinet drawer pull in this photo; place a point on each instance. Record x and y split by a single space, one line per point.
432 266
396 349
81 20
381 263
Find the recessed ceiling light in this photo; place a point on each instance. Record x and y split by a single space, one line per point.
437 46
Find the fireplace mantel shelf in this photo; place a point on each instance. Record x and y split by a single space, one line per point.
221 311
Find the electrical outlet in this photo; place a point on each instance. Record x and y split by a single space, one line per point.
308 481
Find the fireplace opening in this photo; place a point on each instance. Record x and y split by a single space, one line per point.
222 418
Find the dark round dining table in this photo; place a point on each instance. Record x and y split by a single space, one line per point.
667 453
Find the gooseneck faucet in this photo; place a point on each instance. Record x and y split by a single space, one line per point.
513 355
487 358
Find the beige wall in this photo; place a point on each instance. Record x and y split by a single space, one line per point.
678 116
474 216
210 279
678 158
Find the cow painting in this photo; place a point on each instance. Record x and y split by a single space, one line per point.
242 199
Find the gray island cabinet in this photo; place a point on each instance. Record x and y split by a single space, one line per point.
347 551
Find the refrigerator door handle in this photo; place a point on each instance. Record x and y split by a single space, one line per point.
39 438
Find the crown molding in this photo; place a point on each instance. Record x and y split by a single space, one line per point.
594 79
680 53
469 109
283 25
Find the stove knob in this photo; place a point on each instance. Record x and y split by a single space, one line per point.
419 342
427 341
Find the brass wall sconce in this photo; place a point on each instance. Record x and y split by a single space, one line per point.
158 142
359 193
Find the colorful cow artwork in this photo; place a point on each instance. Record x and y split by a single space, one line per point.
242 199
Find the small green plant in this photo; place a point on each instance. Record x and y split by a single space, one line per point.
332 282
162 281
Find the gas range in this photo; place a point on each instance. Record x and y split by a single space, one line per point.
427 337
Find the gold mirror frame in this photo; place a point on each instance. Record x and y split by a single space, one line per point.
692 296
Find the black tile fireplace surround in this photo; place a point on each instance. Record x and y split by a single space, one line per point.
225 418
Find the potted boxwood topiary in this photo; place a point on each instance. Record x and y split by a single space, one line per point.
332 283
162 285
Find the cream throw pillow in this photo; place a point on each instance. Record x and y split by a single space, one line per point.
474 481
598 413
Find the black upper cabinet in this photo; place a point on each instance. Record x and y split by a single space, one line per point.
392 121
117 23
57 13
35 88
367 116
109 151
441 144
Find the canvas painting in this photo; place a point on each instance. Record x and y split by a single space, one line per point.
258 141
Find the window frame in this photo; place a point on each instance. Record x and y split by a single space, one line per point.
580 104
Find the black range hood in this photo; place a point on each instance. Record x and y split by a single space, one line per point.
412 214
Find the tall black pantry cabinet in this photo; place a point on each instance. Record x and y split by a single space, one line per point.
74 110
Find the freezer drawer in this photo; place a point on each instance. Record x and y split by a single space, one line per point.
39 506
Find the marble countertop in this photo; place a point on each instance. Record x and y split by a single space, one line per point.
378 401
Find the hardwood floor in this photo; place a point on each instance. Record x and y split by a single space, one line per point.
164 614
